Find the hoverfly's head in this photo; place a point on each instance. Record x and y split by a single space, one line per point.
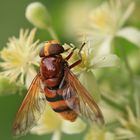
52 47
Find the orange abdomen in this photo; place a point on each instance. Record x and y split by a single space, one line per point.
59 105
52 72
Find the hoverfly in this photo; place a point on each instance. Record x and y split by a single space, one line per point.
61 89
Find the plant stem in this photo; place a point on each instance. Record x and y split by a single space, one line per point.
131 77
137 102
52 33
112 103
131 80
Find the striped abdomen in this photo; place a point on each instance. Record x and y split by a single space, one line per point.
59 105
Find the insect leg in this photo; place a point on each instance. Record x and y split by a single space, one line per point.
70 54
80 60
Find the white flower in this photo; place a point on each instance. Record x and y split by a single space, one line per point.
71 16
19 57
99 134
106 21
51 122
90 62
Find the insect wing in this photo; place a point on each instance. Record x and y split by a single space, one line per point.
30 109
78 99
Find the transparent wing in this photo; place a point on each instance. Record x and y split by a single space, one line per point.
30 109
78 99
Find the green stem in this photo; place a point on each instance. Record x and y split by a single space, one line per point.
137 102
52 33
131 80
131 77
112 103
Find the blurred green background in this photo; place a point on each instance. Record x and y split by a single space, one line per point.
12 19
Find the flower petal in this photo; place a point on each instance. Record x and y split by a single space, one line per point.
39 130
105 46
131 116
127 13
30 76
49 122
56 135
73 127
131 34
109 60
110 115
99 134
124 134
87 79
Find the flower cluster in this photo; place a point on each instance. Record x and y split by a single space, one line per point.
106 22
19 57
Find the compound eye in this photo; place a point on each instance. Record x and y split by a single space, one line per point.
41 53
52 47
45 49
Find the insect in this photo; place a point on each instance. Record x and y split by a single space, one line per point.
61 88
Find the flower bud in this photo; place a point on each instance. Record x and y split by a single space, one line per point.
38 15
